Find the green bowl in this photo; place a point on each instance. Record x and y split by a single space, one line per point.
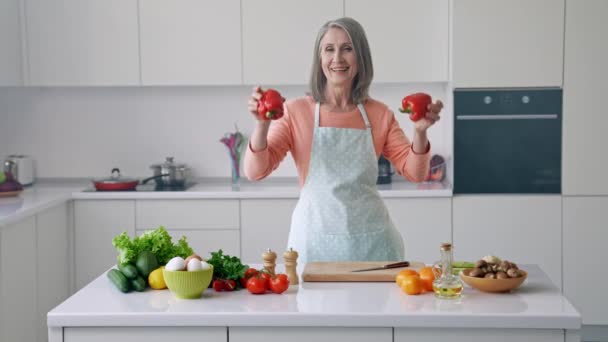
188 285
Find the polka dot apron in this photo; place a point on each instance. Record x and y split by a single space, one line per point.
340 215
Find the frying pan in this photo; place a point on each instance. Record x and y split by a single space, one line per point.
118 183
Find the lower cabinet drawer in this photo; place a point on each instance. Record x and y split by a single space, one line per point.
203 242
477 335
307 334
187 214
146 334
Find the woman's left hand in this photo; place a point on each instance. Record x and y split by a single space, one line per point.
430 117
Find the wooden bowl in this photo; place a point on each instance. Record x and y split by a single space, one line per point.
492 285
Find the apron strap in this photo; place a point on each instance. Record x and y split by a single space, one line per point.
364 114
361 109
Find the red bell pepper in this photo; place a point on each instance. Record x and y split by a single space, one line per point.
270 106
416 104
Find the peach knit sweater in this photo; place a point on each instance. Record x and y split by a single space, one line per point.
294 132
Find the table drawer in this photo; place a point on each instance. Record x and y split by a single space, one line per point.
145 334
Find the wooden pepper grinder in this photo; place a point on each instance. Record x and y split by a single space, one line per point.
291 258
270 258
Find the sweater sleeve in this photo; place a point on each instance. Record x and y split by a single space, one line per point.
398 150
260 164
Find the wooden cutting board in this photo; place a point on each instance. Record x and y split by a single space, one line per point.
342 271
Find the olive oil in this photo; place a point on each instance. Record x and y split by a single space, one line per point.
445 292
446 284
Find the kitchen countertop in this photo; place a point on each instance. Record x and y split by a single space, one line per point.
537 304
46 193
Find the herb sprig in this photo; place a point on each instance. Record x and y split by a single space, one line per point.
226 266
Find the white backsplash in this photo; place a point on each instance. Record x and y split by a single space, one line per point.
85 132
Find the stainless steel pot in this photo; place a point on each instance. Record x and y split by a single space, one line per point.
170 174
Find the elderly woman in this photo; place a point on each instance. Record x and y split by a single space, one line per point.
336 136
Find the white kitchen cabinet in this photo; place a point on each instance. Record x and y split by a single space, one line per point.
82 42
96 222
278 38
409 40
525 229
585 122
516 43
306 334
18 281
146 334
188 214
207 224
265 224
190 42
585 237
478 335
424 223
53 264
11 72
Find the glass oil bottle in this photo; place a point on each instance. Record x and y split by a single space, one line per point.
446 285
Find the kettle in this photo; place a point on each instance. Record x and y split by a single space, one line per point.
21 167
385 171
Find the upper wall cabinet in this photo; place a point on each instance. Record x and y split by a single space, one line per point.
82 42
190 42
585 121
409 39
279 36
10 44
517 43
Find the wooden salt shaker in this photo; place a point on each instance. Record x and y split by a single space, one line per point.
270 258
291 258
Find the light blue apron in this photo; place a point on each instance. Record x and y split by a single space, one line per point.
340 215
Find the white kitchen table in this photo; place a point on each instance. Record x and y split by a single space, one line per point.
537 311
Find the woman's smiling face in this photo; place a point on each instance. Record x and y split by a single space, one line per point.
338 58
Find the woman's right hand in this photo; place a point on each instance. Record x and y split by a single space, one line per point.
258 136
256 95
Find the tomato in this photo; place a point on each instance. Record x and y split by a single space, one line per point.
257 285
248 274
267 277
218 285
279 283
229 285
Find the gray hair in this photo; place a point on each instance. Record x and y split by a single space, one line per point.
363 79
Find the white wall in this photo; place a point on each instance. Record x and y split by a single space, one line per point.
84 132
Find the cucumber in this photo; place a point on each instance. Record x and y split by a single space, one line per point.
139 284
456 271
146 263
463 264
128 270
120 280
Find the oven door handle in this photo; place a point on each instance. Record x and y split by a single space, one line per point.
508 117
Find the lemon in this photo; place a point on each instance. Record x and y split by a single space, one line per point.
156 279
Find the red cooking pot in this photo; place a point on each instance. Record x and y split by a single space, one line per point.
118 183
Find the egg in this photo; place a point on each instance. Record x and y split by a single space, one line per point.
176 264
193 256
205 265
193 265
